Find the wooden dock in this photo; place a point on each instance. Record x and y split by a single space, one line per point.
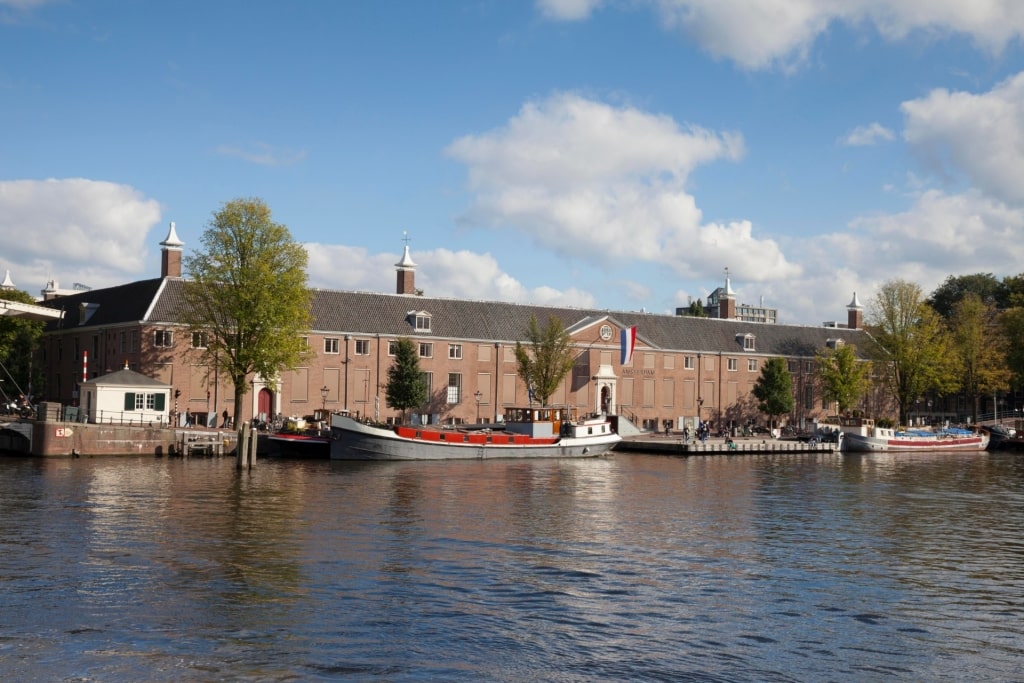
676 445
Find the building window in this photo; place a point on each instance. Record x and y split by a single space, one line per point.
428 378
133 341
808 398
330 345
392 347
734 365
200 340
454 387
455 351
422 322
122 342
793 366
688 363
163 338
426 350
362 347
752 364
748 342
305 341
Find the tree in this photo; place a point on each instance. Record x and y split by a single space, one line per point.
549 359
696 309
18 338
247 294
984 285
774 390
843 376
915 346
1012 324
980 347
406 387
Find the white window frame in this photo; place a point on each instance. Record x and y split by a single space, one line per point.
363 344
163 338
428 348
455 352
332 345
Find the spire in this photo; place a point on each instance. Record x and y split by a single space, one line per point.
406 263
855 303
7 283
854 314
728 286
172 240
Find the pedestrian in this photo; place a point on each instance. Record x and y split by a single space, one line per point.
225 416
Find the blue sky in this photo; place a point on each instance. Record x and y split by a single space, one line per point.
618 154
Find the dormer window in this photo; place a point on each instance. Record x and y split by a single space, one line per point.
747 341
834 343
420 320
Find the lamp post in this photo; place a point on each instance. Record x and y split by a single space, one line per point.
478 396
323 394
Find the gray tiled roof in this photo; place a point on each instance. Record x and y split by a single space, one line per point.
372 313
114 305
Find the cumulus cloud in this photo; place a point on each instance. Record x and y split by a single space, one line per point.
440 272
96 230
977 137
759 34
863 136
592 181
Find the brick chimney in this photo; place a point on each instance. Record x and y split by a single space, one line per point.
727 302
406 273
855 314
170 259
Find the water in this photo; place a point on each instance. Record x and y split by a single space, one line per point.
629 568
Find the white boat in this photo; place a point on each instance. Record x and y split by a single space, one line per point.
527 433
861 435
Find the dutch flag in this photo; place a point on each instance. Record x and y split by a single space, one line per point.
628 342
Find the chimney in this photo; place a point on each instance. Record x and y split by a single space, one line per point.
855 314
727 302
170 261
406 272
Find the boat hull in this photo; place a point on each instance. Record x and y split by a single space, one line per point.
856 443
352 440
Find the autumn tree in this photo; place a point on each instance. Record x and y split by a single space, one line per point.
247 294
774 390
547 360
983 285
406 386
843 376
980 346
915 348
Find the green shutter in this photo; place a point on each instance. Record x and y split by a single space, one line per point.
129 401
158 401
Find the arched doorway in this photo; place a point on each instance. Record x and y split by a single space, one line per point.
265 405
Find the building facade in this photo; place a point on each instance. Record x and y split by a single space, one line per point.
682 370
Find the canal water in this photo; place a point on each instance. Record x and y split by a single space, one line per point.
626 568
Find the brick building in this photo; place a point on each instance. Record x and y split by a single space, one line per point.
683 368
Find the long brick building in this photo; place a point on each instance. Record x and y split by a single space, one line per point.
683 368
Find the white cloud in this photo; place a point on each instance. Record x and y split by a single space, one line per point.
439 272
759 34
871 134
979 137
567 10
607 184
96 231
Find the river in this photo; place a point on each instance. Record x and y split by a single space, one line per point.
625 568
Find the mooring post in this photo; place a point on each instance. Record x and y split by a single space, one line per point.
242 450
255 436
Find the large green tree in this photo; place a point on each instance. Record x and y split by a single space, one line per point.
844 377
980 346
548 359
915 345
406 386
19 337
983 285
774 390
247 294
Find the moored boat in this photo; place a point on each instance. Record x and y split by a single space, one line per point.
302 445
525 433
861 435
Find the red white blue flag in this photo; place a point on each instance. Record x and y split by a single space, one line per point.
628 343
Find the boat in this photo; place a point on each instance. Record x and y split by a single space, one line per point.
861 435
549 432
303 444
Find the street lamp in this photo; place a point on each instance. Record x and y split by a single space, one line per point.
478 396
323 395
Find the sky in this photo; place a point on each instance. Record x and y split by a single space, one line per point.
614 154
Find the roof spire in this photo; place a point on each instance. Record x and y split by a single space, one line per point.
8 283
172 240
406 263
855 303
728 287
